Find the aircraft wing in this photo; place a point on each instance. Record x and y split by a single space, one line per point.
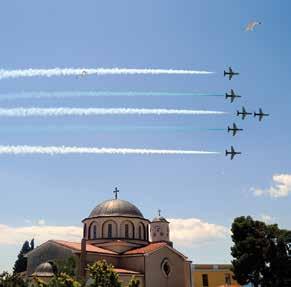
261 117
232 156
231 99
243 116
230 76
234 132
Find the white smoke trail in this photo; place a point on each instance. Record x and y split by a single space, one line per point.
61 72
55 112
63 150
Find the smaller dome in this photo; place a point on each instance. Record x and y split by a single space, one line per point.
160 219
44 270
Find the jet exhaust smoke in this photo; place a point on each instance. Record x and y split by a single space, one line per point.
79 94
63 150
57 112
62 72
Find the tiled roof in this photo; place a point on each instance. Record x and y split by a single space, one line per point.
125 271
146 249
77 247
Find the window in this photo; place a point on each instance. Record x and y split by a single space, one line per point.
94 232
166 267
85 231
109 230
139 232
227 278
205 282
126 231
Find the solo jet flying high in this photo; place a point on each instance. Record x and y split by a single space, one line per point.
232 153
232 96
230 73
244 113
234 129
260 114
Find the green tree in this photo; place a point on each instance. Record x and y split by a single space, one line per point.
103 275
133 282
20 264
11 280
260 253
64 280
67 266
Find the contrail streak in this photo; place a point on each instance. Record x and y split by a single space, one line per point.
84 128
63 150
61 72
57 112
80 94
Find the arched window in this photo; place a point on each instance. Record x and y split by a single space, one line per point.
94 232
85 231
139 233
126 232
110 230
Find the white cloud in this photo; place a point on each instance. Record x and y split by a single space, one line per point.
280 188
17 235
186 232
41 222
266 218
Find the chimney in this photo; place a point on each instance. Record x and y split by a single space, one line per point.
83 260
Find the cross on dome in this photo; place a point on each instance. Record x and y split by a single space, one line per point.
159 212
115 191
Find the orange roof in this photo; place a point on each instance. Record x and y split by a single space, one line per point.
126 271
146 249
77 247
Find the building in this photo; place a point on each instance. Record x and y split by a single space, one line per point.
117 231
209 275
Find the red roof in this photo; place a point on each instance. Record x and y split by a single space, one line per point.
126 271
146 249
77 247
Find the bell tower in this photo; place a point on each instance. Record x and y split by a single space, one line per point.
160 230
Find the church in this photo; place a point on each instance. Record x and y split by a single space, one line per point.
117 231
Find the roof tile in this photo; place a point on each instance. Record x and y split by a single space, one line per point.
77 247
146 249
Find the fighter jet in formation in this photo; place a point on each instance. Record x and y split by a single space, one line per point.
232 153
234 129
232 96
260 114
230 73
252 25
244 113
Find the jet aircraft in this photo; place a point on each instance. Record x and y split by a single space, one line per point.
232 153
232 96
234 129
244 113
252 25
260 114
230 73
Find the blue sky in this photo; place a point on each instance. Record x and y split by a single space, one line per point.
201 34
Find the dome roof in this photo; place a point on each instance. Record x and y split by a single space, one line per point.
116 207
160 219
44 270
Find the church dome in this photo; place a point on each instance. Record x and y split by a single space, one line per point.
159 219
116 207
44 270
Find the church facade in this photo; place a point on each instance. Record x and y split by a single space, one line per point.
117 231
